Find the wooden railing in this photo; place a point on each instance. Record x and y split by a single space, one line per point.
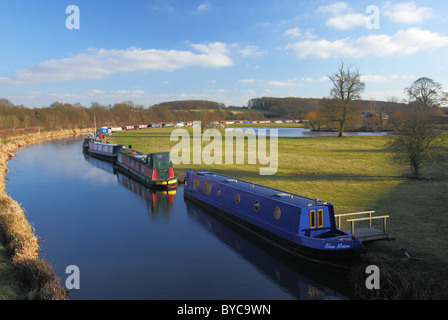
369 218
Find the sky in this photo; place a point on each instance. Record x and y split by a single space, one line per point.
228 51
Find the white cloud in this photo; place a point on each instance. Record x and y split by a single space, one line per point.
250 51
334 8
293 32
381 79
374 78
402 43
203 7
288 83
96 91
100 63
249 80
347 21
407 12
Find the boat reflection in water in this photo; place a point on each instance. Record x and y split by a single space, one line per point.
302 279
158 201
103 165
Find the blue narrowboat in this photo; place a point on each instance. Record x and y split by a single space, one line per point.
153 170
104 150
302 226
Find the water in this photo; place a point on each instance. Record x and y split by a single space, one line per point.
304 133
133 243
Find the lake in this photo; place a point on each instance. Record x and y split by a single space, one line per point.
302 132
131 242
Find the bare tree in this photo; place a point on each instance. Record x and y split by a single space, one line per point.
347 86
427 93
417 138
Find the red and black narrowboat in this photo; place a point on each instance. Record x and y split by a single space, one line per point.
153 170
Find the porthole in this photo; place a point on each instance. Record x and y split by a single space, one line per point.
256 206
277 213
237 199
218 192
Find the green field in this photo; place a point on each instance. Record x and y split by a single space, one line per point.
355 174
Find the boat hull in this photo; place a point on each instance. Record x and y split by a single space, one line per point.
130 172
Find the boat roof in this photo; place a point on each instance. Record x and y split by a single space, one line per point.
279 195
108 143
133 153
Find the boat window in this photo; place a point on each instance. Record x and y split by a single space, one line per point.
238 198
218 192
313 219
277 213
207 188
320 218
256 206
196 184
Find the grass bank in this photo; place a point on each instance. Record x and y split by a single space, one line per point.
355 173
23 275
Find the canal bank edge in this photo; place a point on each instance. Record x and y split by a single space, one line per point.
16 233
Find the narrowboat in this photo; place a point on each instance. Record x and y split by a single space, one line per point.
153 170
104 150
299 225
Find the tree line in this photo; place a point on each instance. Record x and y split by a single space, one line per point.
65 115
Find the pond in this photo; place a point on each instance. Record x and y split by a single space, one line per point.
131 242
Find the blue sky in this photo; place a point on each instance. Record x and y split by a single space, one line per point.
227 51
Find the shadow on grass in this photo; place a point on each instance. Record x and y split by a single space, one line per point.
413 266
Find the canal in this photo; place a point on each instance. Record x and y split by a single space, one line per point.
130 242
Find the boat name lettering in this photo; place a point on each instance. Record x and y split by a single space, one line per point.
338 246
